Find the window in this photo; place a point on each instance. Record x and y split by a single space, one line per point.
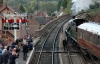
87 36
80 34
98 40
95 39
91 38
10 26
83 35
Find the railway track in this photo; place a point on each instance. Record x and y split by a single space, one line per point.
46 53
73 56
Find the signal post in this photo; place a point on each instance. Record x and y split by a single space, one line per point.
15 20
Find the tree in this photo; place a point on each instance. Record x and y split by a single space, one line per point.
64 3
58 6
49 7
68 8
21 8
32 6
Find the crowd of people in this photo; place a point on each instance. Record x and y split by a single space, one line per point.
9 54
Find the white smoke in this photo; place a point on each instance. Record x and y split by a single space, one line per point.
79 5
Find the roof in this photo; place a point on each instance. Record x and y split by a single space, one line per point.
32 22
91 27
2 8
1 15
41 20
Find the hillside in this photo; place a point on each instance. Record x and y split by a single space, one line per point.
31 6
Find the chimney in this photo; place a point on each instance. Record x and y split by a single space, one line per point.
1 3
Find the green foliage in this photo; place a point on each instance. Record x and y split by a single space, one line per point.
92 6
21 8
58 6
1 1
49 6
32 5
91 13
64 3
94 9
41 26
68 8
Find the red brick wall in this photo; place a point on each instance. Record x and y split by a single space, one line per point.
0 5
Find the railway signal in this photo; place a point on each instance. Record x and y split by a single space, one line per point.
15 21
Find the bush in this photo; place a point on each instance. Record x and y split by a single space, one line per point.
92 13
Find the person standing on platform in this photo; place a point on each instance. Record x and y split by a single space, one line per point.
13 57
13 45
5 56
25 50
1 59
64 44
29 41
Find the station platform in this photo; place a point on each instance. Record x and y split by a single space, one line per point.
20 59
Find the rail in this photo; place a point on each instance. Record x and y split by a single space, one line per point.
55 41
44 43
40 52
52 52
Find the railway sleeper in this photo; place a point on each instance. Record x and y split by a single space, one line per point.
51 51
94 58
74 51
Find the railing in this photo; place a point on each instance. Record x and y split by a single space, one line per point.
10 34
7 34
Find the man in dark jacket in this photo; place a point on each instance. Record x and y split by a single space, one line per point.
13 57
13 45
5 57
25 50
1 54
64 44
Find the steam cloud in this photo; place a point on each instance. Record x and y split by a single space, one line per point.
79 5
